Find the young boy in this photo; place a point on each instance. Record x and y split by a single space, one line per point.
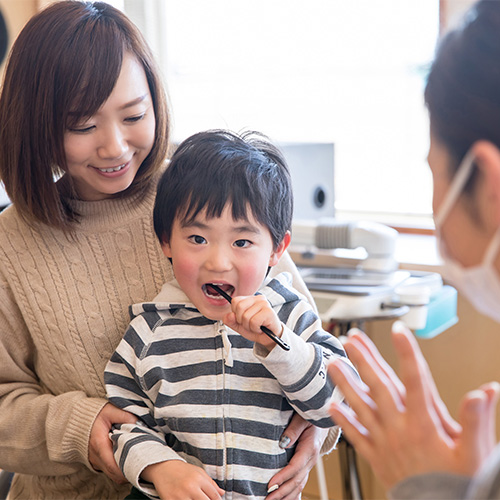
213 393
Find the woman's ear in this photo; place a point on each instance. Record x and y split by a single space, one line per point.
487 159
276 255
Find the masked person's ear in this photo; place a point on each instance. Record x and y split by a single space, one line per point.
487 159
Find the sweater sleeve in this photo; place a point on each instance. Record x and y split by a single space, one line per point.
40 433
301 371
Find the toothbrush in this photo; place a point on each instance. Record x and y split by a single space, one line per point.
266 330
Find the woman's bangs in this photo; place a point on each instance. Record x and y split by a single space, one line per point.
98 72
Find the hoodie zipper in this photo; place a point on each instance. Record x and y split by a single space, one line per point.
221 331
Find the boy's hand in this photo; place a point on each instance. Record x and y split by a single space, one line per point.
178 480
248 314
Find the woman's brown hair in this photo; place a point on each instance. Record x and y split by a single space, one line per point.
62 68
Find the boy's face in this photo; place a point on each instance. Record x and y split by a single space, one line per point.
232 254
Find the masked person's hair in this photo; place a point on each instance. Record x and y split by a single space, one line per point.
463 87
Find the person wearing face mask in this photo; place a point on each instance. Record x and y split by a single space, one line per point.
479 283
400 425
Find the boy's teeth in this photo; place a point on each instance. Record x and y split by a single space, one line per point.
210 291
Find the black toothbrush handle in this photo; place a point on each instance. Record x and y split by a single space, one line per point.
274 337
266 330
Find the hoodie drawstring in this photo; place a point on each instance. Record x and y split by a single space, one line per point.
228 354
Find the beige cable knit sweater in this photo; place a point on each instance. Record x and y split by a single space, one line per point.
63 309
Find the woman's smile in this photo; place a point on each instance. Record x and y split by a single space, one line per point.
104 153
112 170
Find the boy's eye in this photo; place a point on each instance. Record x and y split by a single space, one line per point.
242 243
197 239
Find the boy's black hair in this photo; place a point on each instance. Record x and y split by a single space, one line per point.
212 169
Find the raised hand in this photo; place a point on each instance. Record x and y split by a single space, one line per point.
402 427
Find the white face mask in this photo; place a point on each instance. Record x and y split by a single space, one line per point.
480 284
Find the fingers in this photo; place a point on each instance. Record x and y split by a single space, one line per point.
415 373
492 391
384 386
290 489
355 393
100 447
474 418
102 459
425 409
450 425
356 433
230 320
377 358
292 479
358 429
294 429
417 377
478 416
213 491
118 416
109 466
253 312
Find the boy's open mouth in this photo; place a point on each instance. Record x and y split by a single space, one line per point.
210 292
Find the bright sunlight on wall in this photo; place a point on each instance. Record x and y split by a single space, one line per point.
348 72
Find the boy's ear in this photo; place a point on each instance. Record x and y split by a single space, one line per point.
276 255
487 158
166 250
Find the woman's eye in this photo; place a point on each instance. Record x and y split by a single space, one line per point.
134 119
242 243
81 130
198 240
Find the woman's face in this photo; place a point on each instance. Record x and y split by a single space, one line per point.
104 152
461 226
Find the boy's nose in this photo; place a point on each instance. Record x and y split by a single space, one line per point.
218 260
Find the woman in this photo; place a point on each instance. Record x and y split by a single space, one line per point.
402 427
82 103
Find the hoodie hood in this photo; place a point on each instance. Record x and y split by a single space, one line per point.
171 297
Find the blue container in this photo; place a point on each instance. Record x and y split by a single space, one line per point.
441 313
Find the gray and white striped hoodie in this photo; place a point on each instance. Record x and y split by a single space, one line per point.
206 395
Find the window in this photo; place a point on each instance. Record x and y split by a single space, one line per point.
347 72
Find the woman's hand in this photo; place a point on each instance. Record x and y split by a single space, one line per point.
100 447
402 428
293 478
